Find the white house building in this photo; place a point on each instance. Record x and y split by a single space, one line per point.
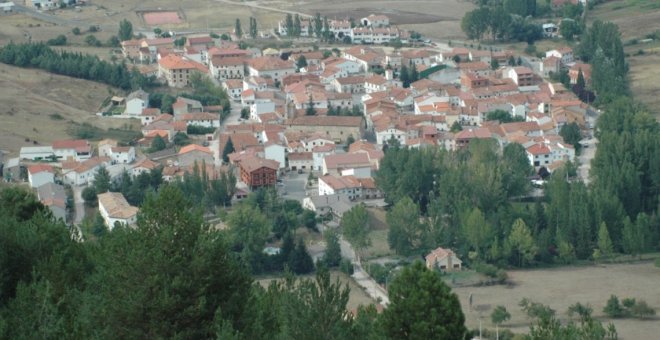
136 102
77 149
40 174
114 208
276 152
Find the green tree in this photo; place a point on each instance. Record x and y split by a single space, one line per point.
477 232
494 64
75 31
475 23
249 230
503 116
302 62
406 233
89 196
520 244
300 262
157 144
125 30
101 181
310 110
422 306
571 134
580 83
355 228
289 24
500 315
167 263
113 41
632 238
414 74
605 245
332 256
237 28
404 76
59 41
456 127
253 28
92 41
181 139
349 140
614 309
228 149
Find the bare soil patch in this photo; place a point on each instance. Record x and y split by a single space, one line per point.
559 288
155 18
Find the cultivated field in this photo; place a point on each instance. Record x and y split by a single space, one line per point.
40 107
559 288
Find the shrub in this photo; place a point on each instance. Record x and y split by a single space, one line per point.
614 309
642 310
59 41
346 267
76 31
56 116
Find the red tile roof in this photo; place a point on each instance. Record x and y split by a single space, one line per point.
37 168
194 147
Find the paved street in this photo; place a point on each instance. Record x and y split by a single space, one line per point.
294 185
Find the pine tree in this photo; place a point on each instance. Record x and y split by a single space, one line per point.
229 148
125 30
300 261
580 83
289 24
310 111
414 75
404 76
297 27
605 245
237 28
332 255
422 306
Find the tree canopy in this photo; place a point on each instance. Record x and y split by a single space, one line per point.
422 306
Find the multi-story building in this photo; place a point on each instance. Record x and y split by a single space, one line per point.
177 70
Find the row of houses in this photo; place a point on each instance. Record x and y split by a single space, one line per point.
373 29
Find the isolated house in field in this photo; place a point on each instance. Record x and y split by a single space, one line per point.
136 102
443 259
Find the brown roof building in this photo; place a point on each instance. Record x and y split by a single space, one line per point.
258 172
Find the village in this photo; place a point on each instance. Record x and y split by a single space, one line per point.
314 123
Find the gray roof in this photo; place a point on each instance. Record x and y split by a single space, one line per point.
12 162
338 203
51 190
139 94
154 156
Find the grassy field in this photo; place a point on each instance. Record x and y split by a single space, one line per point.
42 107
561 287
636 19
356 298
378 235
